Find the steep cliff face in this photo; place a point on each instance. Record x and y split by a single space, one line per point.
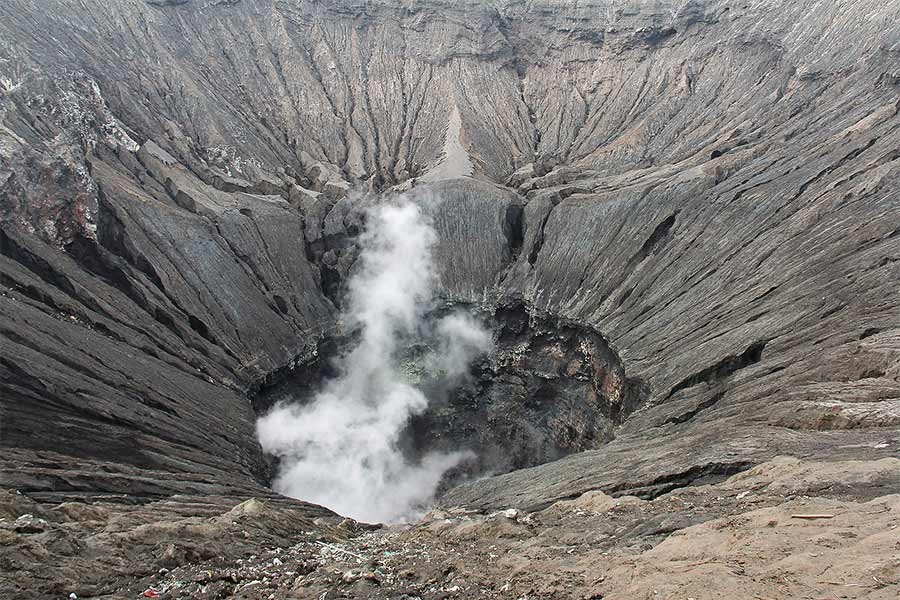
710 188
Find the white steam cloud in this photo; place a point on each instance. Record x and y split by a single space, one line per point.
341 449
460 338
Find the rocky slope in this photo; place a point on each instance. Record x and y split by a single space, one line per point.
747 537
709 190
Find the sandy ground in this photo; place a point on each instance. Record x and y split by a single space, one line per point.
740 538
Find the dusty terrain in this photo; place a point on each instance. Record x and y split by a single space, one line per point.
741 538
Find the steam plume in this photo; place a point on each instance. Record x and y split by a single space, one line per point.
341 449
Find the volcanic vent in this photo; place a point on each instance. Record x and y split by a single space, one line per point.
419 392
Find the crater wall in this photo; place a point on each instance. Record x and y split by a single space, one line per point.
711 187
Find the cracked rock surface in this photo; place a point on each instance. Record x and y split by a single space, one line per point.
707 191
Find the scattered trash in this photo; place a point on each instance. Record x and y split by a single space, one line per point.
246 585
354 576
371 576
151 593
203 576
27 523
813 516
510 513
743 495
334 548
73 596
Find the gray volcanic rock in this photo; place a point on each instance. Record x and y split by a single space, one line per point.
711 188
135 321
478 228
118 550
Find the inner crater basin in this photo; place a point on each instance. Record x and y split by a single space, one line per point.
545 389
